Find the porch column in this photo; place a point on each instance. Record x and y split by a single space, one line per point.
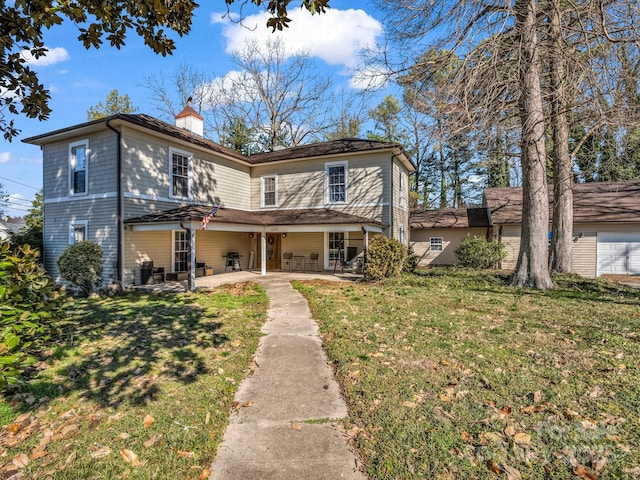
263 252
192 260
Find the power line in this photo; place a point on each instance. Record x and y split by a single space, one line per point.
18 201
23 184
19 208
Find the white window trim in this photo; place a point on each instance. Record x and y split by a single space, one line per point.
262 191
189 155
72 225
327 196
441 244
72 166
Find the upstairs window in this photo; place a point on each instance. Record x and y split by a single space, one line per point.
180 169
269 191
78 167
336 182
402 191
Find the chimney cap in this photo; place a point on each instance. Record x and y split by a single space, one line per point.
189 111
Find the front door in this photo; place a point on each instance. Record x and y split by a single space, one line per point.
273 251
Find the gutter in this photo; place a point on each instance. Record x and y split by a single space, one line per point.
119 209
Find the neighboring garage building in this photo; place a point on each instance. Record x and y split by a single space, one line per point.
435 234
606 232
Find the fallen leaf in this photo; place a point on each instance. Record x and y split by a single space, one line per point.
522 438
152 440
512 473
493 436
68 429
21 460
148 421
130 457
124 435
207 418
493 467
510 430
72 456
506 410
100 452
205 474
444 398
581 472
183 454
466 438
409 404
15 428
296 426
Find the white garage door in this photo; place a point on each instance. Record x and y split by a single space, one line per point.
618 253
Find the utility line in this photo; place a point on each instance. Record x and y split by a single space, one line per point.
23 184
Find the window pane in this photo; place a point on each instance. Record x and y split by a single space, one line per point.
180 175
436 244
337 184
336 245
269 185
181 251
79 233
79 161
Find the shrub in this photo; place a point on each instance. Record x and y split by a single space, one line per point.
81 264
385 258
411 263
478 252
30 310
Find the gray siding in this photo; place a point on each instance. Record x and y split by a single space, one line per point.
100 215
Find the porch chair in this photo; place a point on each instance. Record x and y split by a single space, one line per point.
287 258
314 265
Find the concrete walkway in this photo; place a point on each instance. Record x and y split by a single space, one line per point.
288 427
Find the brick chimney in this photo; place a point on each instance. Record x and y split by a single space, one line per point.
190 120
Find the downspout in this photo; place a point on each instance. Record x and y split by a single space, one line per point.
119 210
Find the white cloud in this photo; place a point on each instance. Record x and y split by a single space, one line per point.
54 55
5 157
336 37
369 78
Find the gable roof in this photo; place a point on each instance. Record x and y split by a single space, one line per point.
304 216
592 202
441 218
333 147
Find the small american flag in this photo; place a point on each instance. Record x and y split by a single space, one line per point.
206 218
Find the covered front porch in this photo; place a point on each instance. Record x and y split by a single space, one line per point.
190 242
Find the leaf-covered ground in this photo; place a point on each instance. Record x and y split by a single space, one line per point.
141 387
455 375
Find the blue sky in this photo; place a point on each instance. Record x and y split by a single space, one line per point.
79 78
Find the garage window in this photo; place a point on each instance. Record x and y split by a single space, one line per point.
435 244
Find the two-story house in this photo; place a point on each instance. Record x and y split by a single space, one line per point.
140 188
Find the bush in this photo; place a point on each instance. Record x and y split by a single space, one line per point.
30 310
81 264
411 263
385 258
478 252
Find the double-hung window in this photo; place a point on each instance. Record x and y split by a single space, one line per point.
180 171
77 231
180 250
435 244
336 177
402 191
78 155
269 186
336 246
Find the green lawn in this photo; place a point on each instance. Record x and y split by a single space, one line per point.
455 375
140 387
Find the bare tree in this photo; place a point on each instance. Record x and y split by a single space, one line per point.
283 99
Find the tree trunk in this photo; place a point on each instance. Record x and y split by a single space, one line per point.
532 268
562 228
